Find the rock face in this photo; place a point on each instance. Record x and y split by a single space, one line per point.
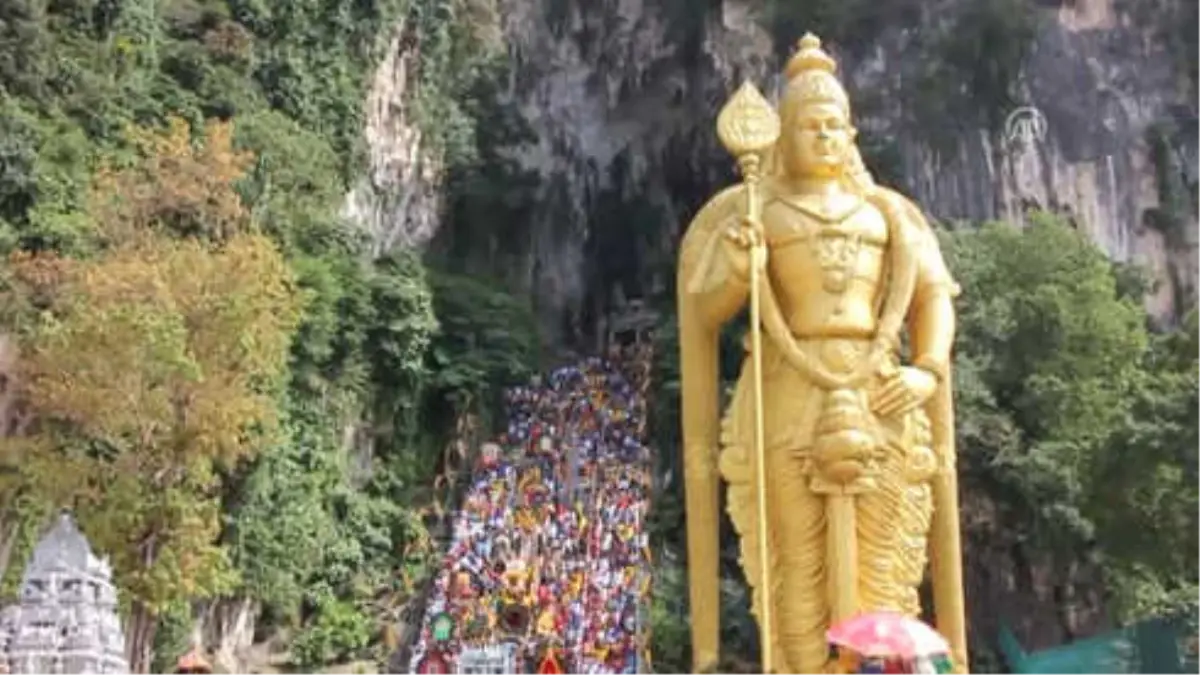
398 200
616 102
1100 76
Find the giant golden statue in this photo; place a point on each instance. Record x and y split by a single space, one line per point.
856 447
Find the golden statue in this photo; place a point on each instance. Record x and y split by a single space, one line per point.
856 449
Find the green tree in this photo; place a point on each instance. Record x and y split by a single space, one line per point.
1071 413
1150 460
1054 347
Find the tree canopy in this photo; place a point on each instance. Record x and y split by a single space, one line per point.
1079 416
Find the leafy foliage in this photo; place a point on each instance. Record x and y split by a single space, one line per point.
1081 419
488 338
176 187
310 541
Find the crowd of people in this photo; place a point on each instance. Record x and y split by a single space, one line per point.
548 553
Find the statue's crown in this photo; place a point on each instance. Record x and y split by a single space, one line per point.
810 56
811 75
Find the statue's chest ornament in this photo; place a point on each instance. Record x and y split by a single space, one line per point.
837 254
837 243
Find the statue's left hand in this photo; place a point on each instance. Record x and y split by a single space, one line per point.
907 389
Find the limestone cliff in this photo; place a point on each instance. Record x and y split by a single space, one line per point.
397 201
616 101
1101 77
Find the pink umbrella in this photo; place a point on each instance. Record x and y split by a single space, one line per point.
888 634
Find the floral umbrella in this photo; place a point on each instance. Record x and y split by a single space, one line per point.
888 635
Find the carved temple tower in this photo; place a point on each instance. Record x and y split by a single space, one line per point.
66 619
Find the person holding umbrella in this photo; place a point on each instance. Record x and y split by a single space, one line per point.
888 642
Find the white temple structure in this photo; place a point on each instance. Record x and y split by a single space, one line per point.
66 618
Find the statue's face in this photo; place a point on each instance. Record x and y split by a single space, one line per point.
819 142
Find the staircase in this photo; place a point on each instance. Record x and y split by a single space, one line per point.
544 570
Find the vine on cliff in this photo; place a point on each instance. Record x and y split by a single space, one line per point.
458 42
1177 203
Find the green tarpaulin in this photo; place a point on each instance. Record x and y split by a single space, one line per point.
1156 646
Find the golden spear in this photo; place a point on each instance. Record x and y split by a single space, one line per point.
748 127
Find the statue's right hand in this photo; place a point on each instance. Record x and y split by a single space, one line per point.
745 232
741 241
